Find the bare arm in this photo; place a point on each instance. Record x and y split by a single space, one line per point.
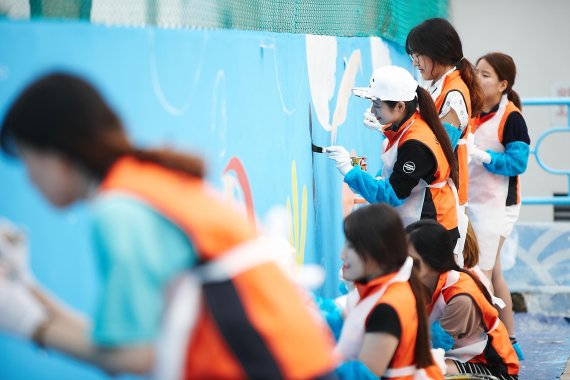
451 118
69 332
377 351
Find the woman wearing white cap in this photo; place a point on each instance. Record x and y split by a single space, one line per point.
418 158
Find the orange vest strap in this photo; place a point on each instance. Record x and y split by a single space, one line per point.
212 225
508 110
453 82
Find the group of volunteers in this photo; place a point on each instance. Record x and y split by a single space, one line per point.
190 287
452 155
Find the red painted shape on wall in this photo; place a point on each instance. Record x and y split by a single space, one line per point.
236 166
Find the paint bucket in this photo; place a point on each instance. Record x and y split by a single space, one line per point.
359 160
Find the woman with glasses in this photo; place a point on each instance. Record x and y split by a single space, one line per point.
436 50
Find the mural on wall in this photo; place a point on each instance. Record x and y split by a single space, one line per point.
537 255
298 227
237 186
237 98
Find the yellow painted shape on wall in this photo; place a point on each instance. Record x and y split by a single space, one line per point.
298 227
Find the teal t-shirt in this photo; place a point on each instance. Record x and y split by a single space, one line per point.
138 252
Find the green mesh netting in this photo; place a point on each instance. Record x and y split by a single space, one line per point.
391 19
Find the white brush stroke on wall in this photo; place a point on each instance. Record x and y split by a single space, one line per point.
345 91
270 46
321 66
379 52
176 110
322 52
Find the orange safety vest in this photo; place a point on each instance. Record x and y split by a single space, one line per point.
265 329
400 297
453 82
443 197
498 354
478 121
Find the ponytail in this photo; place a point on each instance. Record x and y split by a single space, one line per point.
430 116
468 75
433 243
181 162
514 97
437 39
422 349
471 248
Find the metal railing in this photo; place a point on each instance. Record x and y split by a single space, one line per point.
558 200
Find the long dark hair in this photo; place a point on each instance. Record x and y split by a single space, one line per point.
376 232
433 243
438 39
429 114
66 114
505 67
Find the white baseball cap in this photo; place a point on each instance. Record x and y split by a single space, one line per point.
389 83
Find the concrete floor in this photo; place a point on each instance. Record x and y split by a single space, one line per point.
545 342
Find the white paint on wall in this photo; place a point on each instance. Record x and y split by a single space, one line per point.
166 103
321 67
380 53
345 91
288 109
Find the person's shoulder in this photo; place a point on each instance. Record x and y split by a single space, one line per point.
515 128
128 228
121 210
461 302
122 215
415 148
515 117
398 294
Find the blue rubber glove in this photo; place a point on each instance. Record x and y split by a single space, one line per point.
372 189
511 162
454 134
518 350
354 370
331 313
440 338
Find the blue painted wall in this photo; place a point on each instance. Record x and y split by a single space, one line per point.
223 94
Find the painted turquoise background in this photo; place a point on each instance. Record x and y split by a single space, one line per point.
222 94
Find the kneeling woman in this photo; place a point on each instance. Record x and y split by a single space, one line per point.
462 305
387 329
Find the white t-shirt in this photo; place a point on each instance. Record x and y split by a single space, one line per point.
454 100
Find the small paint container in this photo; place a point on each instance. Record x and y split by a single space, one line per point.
359 160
